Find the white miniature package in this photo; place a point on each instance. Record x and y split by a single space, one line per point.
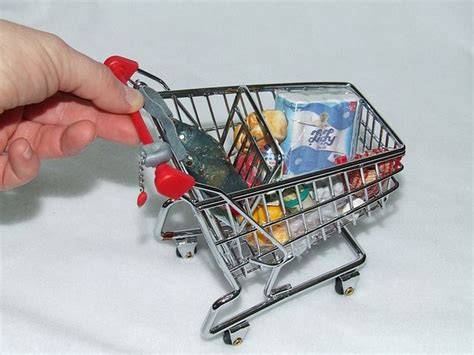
320 127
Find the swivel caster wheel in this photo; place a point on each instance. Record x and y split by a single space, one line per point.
346 284
186 248
236 335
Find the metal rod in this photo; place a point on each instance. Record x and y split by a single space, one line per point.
209 328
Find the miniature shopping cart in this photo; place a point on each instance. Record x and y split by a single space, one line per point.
241 243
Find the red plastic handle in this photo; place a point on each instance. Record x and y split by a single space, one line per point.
169 182
172 183
123 69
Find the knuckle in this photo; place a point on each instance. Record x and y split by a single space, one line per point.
109 83
55 41
107 77
54 55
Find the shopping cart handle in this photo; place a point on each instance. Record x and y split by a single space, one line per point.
169 182
123 69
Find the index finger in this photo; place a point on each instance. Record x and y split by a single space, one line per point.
63 109
94 81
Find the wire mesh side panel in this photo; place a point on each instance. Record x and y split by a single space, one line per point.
234 120
206 111
301 215
249 141
372 132
298 216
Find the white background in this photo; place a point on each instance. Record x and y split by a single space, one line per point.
81 271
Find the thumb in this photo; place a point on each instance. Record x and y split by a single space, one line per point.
94 81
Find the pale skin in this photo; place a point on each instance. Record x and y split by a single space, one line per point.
54 101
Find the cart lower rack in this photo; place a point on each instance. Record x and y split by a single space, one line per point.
243 232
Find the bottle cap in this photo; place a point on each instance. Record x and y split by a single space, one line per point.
291 199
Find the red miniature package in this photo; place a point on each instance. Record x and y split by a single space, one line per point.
385 168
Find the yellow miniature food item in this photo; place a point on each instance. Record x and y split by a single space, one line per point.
276 122
274 212
280 232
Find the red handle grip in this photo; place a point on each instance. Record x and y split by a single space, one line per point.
123 69
169 182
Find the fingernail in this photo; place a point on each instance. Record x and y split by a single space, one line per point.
27 153
134 97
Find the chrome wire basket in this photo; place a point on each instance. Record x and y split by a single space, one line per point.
242 233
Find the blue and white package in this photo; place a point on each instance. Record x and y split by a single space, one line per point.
320 127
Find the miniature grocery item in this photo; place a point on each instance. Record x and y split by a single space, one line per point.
356 203
247 162
370 173
279 230
269 156
297 226
276 122
300 225
247 166
320 127
274 213
290 198
206 161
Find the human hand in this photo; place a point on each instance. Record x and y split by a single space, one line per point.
54 101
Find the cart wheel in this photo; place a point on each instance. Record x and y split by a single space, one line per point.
188 254
346 284
236 335
226 338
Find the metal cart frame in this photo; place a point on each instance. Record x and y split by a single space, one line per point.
231 243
